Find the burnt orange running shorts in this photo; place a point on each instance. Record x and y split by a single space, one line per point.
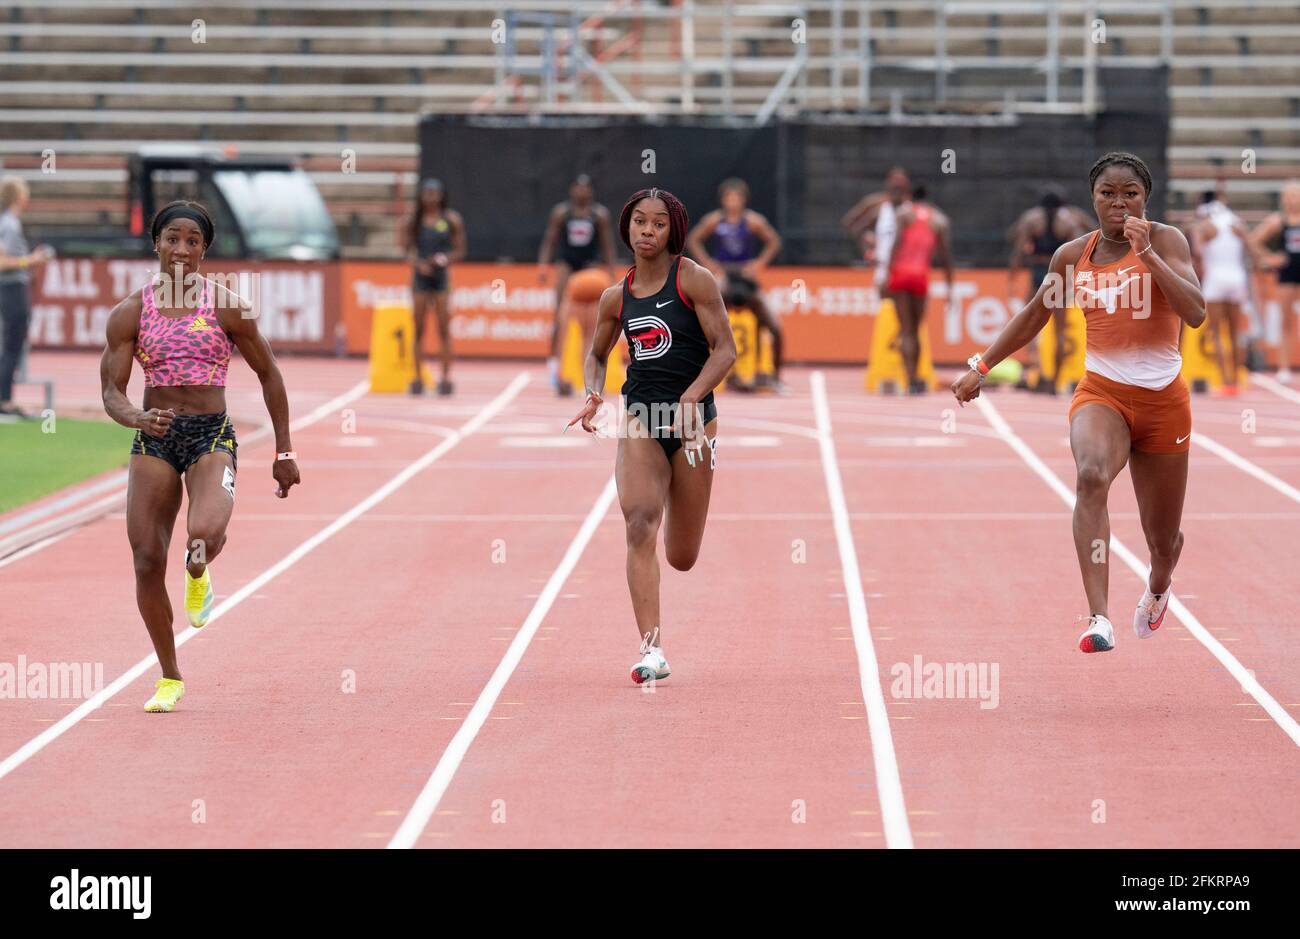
1158 421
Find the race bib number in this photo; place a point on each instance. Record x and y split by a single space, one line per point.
228 481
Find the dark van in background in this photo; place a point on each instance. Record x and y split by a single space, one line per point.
265 208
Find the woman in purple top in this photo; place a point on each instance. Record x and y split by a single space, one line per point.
743 243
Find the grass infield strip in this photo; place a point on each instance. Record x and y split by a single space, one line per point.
34 463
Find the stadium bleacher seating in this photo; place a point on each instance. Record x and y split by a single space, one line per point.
94 79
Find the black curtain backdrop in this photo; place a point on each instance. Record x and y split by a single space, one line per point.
505 173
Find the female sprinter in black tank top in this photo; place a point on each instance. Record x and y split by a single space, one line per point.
1035 238
1286 225
681 348
434 240
579 230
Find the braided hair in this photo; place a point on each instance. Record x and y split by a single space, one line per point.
1120 158
678 220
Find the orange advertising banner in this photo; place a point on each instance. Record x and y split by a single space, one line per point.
827 312
496 309
504 310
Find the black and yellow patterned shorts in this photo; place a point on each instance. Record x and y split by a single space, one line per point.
190 437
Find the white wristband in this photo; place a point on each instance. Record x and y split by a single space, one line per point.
286 455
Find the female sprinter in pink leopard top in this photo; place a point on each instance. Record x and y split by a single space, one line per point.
181 328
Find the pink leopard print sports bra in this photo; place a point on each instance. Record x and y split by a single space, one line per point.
182 350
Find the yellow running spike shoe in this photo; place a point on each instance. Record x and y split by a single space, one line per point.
168 694
198 596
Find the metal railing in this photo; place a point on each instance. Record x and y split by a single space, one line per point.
747 60
844 55
567 66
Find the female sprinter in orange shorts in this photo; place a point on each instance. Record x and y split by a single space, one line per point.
681 348
1134 281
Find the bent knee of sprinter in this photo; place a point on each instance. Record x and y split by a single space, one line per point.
205 544
680 559
1165 545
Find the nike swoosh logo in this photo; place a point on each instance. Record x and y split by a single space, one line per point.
1124 270
1181 439
665 303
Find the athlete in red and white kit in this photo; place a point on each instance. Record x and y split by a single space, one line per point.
922 232
873 223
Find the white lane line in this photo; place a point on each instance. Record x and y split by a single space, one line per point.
1233 420
36 546
893 813
927 424
38 536
1279 389
927 441
88 707
418 427
779 427
66 500
358 390
427 802
374 518
542 443
1246 466
1245 677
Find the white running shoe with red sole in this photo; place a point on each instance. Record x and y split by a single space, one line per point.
1100 635
1150 613
653 666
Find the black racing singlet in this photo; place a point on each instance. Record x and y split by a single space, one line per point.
434 239
1290 271
667 344
578 248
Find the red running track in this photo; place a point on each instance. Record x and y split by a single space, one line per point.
318 708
